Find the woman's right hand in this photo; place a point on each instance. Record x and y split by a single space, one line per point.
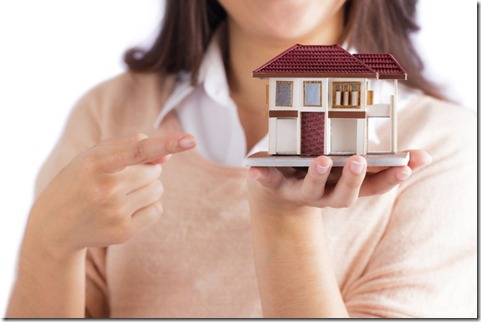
105 196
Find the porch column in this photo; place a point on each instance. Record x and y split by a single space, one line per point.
394 118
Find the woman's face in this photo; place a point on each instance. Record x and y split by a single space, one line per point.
285 19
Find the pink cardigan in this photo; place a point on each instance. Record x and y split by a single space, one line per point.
408 253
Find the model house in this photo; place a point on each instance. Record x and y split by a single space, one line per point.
320 99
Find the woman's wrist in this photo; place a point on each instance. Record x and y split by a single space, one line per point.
35 252
285 222
293 266
45 243
50 279
264 202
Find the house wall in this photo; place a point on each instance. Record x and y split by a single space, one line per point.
348 135
382 113
337 143
276 126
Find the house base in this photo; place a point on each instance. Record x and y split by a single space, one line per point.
374 160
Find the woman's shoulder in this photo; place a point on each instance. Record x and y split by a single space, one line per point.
437 111
131 83
129 88
448 132
431 123
127 101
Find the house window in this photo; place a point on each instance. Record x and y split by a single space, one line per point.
284 93
312 93
346 94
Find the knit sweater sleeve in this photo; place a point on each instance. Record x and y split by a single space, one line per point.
425 263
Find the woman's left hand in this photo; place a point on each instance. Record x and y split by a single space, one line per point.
323 186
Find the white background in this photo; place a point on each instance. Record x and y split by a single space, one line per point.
52 51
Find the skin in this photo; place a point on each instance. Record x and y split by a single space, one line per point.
294 270
117 191
116 195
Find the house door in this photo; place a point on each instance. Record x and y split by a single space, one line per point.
312 133
343 136
286 136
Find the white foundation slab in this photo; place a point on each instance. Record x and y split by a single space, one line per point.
263 159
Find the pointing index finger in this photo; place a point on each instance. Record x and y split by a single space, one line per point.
144 151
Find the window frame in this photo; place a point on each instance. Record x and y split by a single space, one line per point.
349 85
291 85
304 88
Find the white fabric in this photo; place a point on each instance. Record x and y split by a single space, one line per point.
208 113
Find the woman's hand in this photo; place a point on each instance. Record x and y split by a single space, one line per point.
105 195
322 186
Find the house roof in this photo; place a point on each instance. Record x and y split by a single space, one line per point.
384 64
328 61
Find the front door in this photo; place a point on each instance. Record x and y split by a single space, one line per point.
312 133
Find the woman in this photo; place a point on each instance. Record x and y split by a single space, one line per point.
275 244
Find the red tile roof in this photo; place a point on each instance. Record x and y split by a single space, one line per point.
384 64
325 61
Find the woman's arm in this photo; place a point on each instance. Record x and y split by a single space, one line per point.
294 271
104 196
295 275
49 283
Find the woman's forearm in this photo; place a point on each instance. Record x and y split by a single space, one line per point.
49 284
294 271
116 195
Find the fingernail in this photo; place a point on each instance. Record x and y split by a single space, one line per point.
186 143
428 159
403 175
357 167
254 174
322 169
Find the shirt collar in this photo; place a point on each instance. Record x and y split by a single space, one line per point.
212 78
212 73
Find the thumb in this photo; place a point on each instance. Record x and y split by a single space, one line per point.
144 150
418 159
270 178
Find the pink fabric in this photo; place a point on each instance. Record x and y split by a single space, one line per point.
408 253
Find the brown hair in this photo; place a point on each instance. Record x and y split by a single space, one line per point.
370 26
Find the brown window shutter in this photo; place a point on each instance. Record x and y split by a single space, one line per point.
370 97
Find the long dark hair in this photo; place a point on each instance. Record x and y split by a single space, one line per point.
370 26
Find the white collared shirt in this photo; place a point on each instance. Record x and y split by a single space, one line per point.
207 111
